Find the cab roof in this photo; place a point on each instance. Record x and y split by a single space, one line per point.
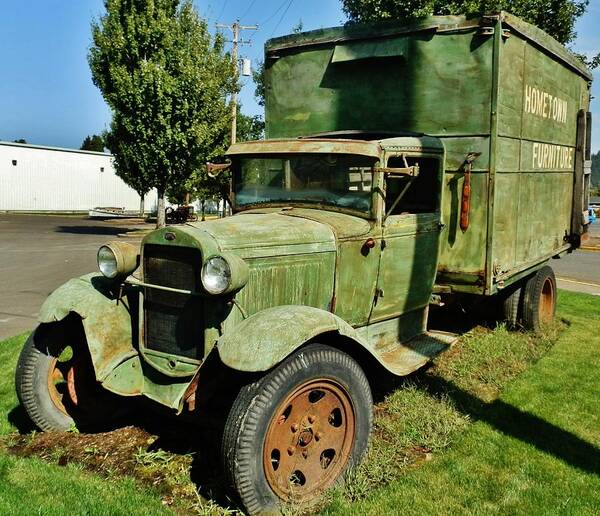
369 144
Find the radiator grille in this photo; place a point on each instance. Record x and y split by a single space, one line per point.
172 321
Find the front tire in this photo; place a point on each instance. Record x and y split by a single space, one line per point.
55 380
292 434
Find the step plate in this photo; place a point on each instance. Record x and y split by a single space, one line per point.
409 356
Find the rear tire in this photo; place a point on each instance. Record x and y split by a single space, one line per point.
511 306
319 397
539 299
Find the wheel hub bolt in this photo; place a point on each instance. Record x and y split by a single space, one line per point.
291 450
295 427
305 453
311 419
318 436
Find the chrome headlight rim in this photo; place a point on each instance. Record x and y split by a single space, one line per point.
213 282
107 261
117 259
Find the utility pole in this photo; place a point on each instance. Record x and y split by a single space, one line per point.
236 29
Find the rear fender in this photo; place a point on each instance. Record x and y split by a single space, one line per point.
266 338
110 328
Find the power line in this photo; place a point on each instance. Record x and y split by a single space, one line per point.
282 16
249 9
274 14
222 10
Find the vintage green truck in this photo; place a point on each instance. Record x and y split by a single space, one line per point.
405 163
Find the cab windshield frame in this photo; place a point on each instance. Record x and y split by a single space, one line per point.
363 162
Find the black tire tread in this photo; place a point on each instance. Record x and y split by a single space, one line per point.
511 303
532 295
25 383
243 417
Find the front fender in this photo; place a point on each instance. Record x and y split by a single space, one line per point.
264 339
108 323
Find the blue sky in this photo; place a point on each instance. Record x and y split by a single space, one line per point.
46 92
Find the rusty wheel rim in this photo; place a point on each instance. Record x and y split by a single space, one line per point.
547 300
57 384
309 440
68 380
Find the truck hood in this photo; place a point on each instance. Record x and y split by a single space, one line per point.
274 232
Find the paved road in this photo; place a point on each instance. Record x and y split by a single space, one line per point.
39 253
580 270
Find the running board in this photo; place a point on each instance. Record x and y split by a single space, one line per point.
405 358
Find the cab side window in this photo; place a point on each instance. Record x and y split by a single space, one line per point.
422 192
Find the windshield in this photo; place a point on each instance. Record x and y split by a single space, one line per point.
337 180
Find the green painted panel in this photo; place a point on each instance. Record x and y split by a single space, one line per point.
356 279
458 148
542 158
309 93
408 263
507 158
305 279
551 99
510 90
460 251
370 49
294 280
544 216
506 216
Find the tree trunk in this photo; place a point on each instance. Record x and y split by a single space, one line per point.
203 211
142 210
160 211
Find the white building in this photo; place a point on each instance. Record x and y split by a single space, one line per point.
40 179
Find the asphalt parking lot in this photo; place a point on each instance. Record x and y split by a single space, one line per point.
38 253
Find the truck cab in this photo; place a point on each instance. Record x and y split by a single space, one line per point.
330 257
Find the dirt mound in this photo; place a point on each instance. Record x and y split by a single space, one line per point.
128 451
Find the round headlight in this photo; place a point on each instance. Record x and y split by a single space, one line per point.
216 275
107 262
117 259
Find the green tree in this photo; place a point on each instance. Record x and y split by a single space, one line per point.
250 127
596 169
165 79
258 76
203 187
93 143
556 17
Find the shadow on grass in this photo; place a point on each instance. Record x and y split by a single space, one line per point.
514 422
19 419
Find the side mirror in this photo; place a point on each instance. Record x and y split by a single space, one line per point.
214 169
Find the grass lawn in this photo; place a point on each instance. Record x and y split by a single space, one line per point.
35 486
503 423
